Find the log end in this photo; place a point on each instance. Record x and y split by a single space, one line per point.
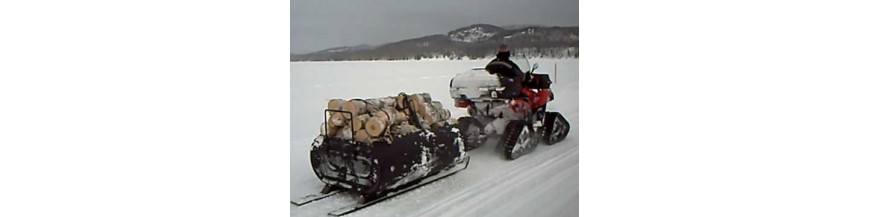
375 127
336 121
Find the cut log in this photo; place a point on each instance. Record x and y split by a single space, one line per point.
377 124
335 120
391 116
362 136
359 121
439 113
428 117
419 108
443 114
422 97
326 130
419 100
400 102
433 112
335 104
375 127
437 105
380 103
425 97
344 133
404 128
355 107
379 116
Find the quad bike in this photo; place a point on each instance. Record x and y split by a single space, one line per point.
520 118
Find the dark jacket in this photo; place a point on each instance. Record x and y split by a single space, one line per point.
511 75
503 66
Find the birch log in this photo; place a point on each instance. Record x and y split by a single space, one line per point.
335 104
359 121
362 136
367 119
443 114
400 101
403 128
335 120
344 133
383 102
355 107
376 125
326 130
422 97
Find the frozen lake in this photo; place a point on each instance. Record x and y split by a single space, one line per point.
542 183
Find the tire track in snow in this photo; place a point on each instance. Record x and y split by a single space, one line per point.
520 172
554 186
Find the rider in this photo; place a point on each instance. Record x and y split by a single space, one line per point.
511 77
504 55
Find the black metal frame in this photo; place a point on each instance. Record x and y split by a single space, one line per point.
325 115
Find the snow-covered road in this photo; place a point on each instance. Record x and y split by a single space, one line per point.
542 183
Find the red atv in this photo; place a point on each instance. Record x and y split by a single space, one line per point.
521 119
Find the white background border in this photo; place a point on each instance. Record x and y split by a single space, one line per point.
181 108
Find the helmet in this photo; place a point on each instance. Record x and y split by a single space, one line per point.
503 48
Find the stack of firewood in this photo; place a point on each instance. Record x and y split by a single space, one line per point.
367 120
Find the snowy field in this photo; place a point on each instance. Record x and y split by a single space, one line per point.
541 183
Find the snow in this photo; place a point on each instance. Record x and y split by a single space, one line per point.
541 183
474 34
469 83
527 31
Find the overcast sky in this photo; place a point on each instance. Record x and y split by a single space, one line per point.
320 24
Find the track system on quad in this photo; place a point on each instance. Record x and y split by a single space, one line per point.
555 128
472 132
518 139
521 137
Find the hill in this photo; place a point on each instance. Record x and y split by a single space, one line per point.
470 42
